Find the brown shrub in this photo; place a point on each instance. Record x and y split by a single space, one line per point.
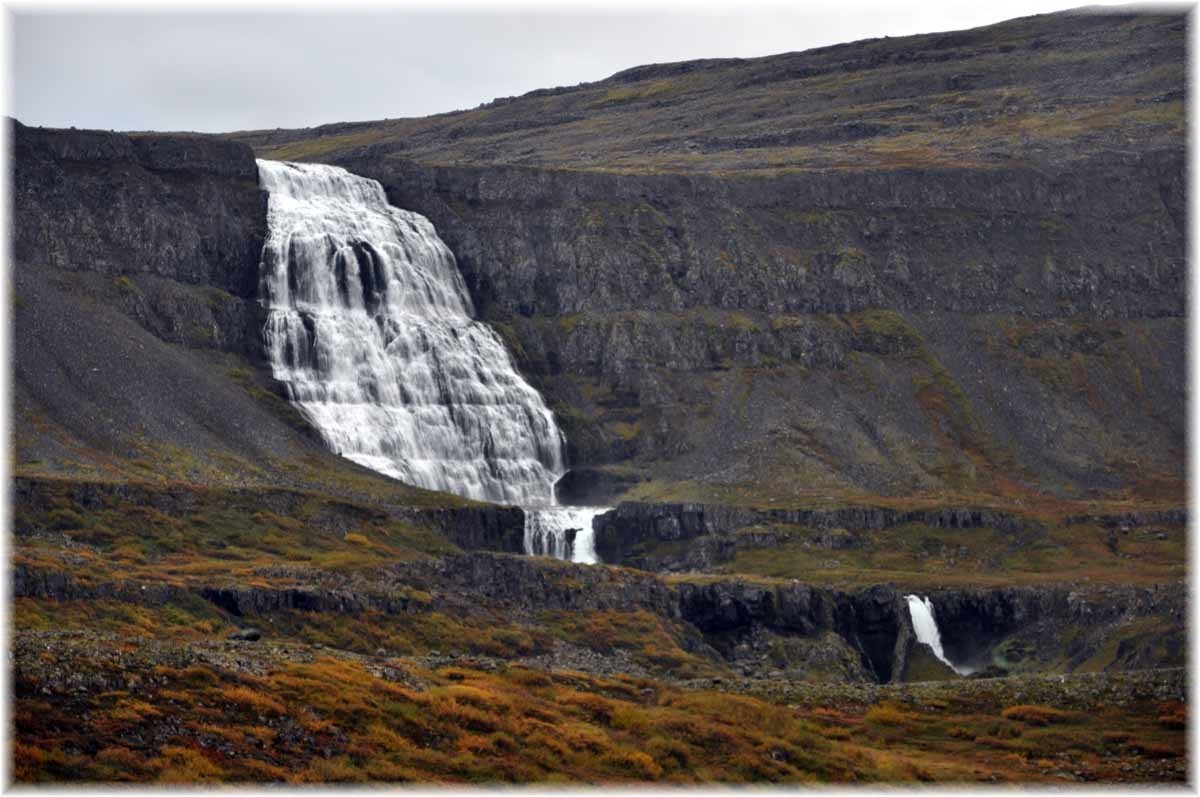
461 715
632 764
594 707
120 758
670 753
1117 737
1156 749
251 769
385 771
185 765
133 710
479 698
332 770
583 738
1035 715
531 679
889 714
1172 715
253 700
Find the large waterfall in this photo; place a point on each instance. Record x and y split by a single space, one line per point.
370 328
925 626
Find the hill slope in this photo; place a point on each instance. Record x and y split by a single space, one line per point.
948 267
1041 89
907 316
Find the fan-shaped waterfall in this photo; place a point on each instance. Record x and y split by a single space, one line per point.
370 328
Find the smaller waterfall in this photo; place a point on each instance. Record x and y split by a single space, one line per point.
564 532
925 626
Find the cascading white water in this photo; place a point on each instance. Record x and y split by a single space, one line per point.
925 626
370 328
547 530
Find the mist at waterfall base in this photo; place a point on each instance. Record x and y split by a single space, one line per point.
370 327
925 627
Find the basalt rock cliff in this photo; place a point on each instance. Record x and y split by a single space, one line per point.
825 329
947 265
138 332
946 294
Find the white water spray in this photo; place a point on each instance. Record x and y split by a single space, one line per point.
370 328
547 530
925 626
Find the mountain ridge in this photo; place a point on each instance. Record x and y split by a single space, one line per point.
846 106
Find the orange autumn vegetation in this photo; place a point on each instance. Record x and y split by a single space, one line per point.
334 720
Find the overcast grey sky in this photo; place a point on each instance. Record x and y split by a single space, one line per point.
222 72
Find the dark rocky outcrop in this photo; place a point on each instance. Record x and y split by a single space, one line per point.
760 628
170 227
834 304
548 243
260 601
482 528
591 487
533 584
1133 520
756 628
633 533
237 600
187 208
1059 628
870 621
1038 627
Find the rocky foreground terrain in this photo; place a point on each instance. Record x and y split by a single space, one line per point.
825 329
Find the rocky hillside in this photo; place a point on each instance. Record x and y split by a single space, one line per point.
137 330
833 327
1043 89
943 266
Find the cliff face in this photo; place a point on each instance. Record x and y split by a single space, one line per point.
789 630
183 208
941 264
1101 237
173 227
668 536
897 332
895 277
137 334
